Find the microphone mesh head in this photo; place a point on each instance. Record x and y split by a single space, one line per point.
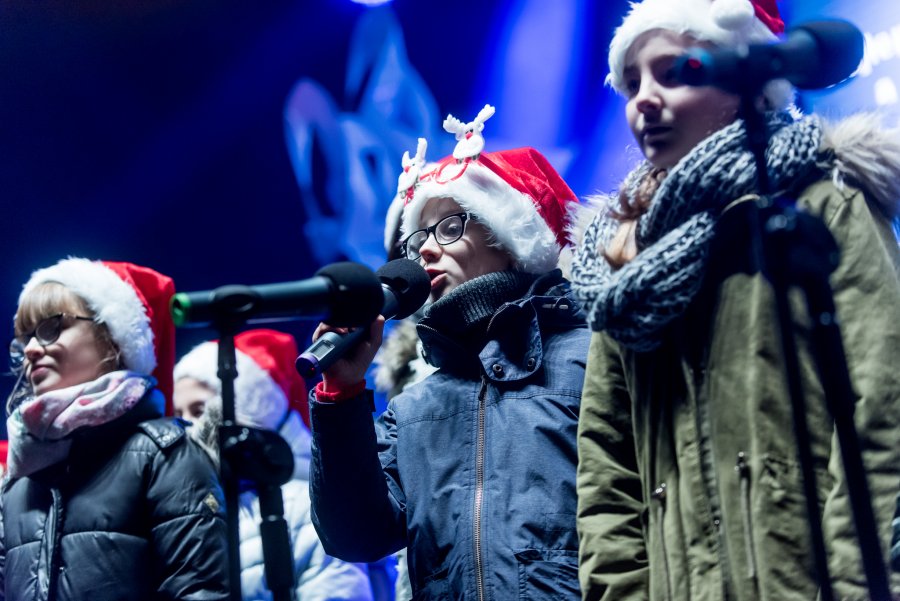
841 47
410 283
356 298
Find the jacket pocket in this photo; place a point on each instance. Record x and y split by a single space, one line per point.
546 575
781 526
436 587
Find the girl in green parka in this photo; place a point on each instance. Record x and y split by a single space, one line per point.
688 482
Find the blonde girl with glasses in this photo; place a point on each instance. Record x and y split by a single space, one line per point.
104 498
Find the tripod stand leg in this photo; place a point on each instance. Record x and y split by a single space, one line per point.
828 350
801 251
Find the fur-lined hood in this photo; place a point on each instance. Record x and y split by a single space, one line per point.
399 362
866 154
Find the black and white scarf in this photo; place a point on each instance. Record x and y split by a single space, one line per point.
635 303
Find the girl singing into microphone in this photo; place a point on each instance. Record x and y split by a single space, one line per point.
473 468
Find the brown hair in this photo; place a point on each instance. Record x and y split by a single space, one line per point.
52 298
623 247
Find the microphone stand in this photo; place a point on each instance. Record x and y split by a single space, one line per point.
258 456
794 248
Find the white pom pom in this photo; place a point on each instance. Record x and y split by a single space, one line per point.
732 15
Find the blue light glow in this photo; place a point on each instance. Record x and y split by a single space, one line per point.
877 82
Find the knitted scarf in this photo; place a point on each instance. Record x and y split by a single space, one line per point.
40 428
464 313
636 302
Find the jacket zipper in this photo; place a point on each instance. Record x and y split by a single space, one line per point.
743 470
708 475
479 490
659 495
56 519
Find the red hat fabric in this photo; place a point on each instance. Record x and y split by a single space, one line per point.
516 194
154 291
267 385
767 12
276 352
526 170
133 302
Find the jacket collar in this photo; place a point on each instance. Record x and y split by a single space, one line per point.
514 349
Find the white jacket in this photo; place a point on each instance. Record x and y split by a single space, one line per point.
317 576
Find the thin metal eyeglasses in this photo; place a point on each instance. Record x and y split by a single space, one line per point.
446 231
46 332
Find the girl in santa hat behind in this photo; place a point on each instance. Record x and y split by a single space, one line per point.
106 499
269 394
689 485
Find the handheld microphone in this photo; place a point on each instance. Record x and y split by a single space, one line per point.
406 287
346 294
813 55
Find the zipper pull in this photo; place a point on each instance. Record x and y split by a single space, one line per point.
742 467
743 470
659 494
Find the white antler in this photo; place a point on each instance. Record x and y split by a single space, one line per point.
483 115
419 159
454 126
412 167
469 141
421 147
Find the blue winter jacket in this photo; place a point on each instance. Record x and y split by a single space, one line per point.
473 468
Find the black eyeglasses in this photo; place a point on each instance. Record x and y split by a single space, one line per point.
446 231
46 332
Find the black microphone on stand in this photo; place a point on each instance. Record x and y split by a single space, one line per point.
406 286
345 294
813 55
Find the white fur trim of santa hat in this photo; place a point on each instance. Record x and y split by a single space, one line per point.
510 216
259 401
392 222
724 23
114 303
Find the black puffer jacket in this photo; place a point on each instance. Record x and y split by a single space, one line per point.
136 512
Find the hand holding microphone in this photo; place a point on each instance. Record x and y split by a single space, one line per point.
406 286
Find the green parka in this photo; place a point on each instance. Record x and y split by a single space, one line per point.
688 482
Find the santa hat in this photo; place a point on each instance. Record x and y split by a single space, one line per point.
133 302
267 385
724 23
516 194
